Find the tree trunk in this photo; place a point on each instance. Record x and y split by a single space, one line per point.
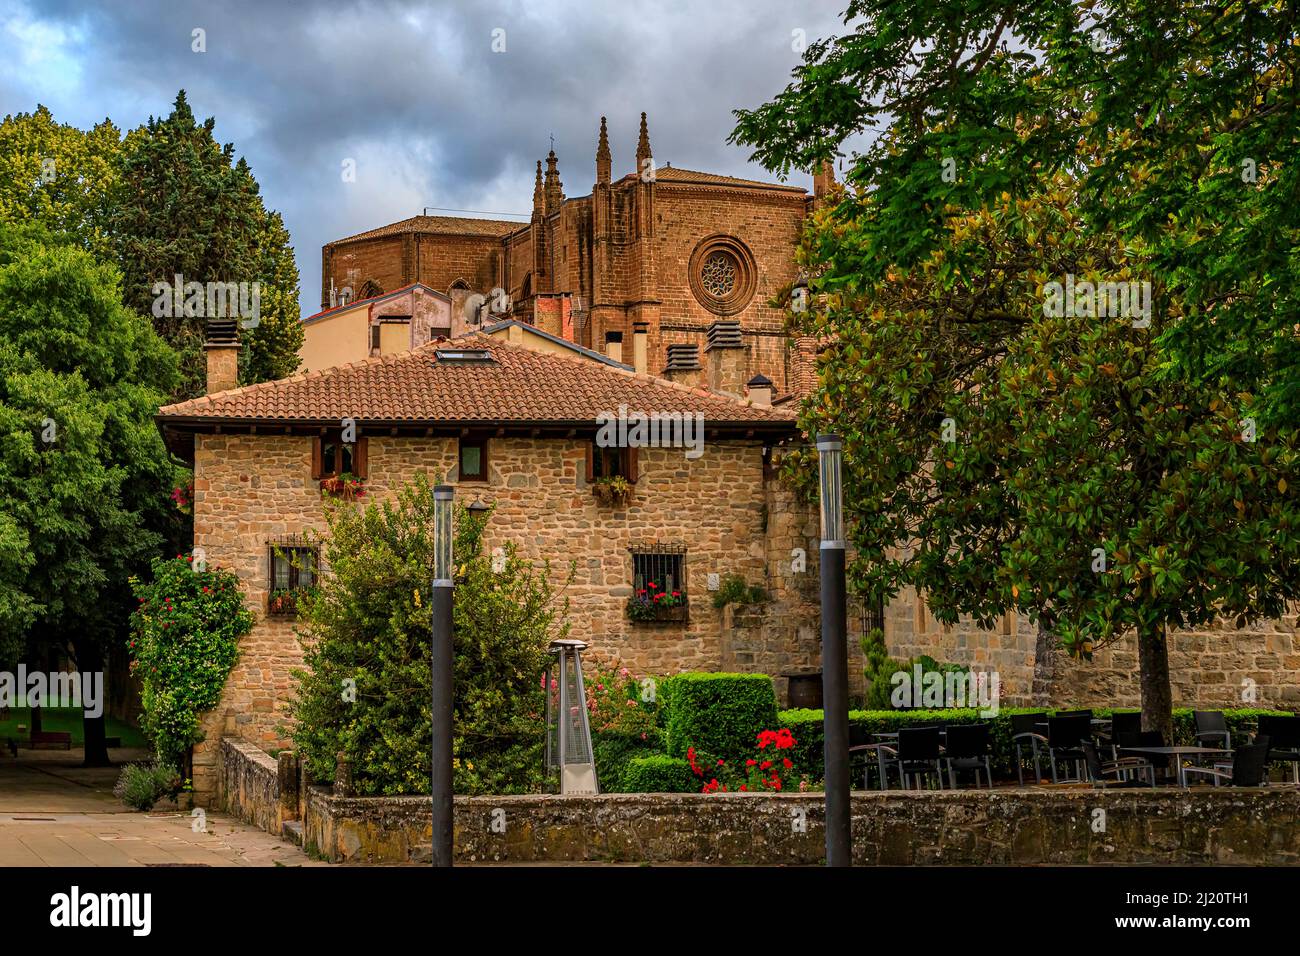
1044 681
90 660
1157 698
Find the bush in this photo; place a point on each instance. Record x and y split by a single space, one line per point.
719 713
184 641
367 630
141 785
809 754
734 590
624 710
659 773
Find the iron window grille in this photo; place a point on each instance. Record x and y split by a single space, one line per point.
658 583
294 571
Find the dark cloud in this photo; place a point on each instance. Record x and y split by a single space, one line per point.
413 92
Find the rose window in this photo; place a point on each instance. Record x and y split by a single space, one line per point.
719 275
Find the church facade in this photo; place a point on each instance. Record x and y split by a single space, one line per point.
639 269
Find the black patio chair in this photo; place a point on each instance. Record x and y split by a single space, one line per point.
1284 736
967 748
860 745
1065 737
1249 766
1147 738
919 755
1116 773
1025 733
1211 729
1123 723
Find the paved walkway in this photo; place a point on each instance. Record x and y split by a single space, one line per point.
54 812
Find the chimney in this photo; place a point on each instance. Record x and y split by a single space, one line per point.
726 357
222 347
614 346
759 391
823 181
684 364
640 353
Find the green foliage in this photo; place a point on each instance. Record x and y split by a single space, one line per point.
715 713
623 710
1191 141
733 589
84 475
184 641
368 627
270 350
141 785
659 773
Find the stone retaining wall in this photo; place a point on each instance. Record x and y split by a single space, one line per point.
970 827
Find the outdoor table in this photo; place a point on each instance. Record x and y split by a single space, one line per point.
1177 753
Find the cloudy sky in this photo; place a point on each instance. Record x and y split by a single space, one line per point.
414 92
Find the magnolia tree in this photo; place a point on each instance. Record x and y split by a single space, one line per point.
1024 428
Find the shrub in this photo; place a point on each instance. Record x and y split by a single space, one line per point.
659 773
623 709
141 785
718 713
184 641
369 623
734 590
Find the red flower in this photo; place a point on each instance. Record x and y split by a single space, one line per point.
721 761
764 765
677 594
750 763
787 763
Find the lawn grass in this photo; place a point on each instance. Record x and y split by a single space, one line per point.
66 719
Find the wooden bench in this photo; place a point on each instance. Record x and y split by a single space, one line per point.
51 740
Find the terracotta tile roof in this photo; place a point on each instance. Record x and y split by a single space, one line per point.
676 174
519 385
442 225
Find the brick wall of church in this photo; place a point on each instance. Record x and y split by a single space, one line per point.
479 260
351 264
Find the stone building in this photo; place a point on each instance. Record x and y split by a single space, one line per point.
510 416
660 251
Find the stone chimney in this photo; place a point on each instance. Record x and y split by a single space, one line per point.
614 346
726 355
640 346
684 364
759 391
222 348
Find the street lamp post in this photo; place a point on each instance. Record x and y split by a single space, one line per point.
444 582
835 660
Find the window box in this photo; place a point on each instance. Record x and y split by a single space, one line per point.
346 487
614 491
283 602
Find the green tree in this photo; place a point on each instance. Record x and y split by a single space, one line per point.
1000 456
58 176
84 476
366 687
1191 111
270 349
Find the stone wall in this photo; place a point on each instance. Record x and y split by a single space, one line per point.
1021 827
252 490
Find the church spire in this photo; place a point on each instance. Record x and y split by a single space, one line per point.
538 196
554 188
644 162
603 158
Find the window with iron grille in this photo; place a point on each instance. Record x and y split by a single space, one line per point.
293 571
873 615
658 583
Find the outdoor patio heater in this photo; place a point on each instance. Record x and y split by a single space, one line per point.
568 732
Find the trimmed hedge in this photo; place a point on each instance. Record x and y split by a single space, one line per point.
659 774
614 751
809 756
719 713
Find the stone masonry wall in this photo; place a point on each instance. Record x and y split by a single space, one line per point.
251 490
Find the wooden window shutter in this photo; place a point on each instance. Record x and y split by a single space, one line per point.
591 461
360 459
315 457
631 470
